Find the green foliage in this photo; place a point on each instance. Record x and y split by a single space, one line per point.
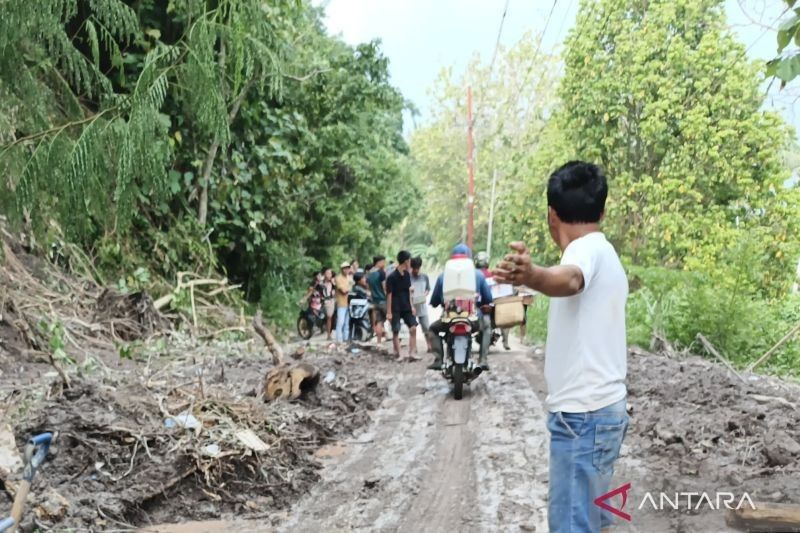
511 103
314 177
660 95
121 121
680 305
55 333
86 151
77 151
137 280
786 66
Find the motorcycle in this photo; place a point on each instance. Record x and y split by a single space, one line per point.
308 320
360 323
458 365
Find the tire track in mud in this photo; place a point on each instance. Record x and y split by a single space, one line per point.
511 448
371 488
446 499
431 463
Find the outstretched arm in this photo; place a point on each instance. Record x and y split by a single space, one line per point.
560 280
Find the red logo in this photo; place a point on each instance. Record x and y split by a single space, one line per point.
601 501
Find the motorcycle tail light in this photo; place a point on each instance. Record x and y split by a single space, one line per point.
459 329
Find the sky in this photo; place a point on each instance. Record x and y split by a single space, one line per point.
420 37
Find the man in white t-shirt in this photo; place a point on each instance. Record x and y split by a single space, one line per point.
585 355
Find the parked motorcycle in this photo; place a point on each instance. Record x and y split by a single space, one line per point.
308 320
360 323
458 365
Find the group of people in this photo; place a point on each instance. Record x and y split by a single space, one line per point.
398 293
585 352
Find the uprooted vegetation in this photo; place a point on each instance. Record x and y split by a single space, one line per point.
153 424
191 441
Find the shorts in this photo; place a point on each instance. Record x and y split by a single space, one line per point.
330 307
422 318
407 317
379 310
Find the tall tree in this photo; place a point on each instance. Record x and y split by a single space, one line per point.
662 96
512 100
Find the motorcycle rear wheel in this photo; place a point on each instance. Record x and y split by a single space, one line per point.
458 381
304 328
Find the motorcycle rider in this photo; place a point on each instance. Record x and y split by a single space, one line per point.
483 299
482 264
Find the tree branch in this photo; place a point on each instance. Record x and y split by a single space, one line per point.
309 75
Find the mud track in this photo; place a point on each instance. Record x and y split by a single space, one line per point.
430 463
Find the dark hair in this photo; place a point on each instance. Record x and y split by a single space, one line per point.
416 262
326 269
402 257
358 276
577 192
368 267
377 259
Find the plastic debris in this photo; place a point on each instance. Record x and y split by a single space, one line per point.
184 420
211 450
251 440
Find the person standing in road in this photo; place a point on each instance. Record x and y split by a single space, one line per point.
586 352
328 298
421 286
377 286
398 294
343 286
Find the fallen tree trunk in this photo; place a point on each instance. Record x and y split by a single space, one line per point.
766 517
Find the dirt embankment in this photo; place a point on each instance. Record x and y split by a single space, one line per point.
153 425
697 427
188 441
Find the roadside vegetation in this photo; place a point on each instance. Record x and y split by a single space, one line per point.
663 97
149 138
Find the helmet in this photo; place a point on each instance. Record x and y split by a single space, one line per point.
482 260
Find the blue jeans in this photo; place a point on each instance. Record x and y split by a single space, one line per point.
342 324
583 448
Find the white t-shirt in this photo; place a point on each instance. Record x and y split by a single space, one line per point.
586 351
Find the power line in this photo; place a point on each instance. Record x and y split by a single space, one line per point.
564 20
538 47
497 42
520 87
494 54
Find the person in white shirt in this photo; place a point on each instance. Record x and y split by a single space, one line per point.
586 351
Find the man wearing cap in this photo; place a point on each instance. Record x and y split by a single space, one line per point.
343 286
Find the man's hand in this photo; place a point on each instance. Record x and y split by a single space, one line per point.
389 316
516 268
413 311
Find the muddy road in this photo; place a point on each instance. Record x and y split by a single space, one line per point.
429 463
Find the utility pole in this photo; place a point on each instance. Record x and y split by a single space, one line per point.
471 170
491 214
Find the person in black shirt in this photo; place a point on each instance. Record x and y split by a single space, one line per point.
399 308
